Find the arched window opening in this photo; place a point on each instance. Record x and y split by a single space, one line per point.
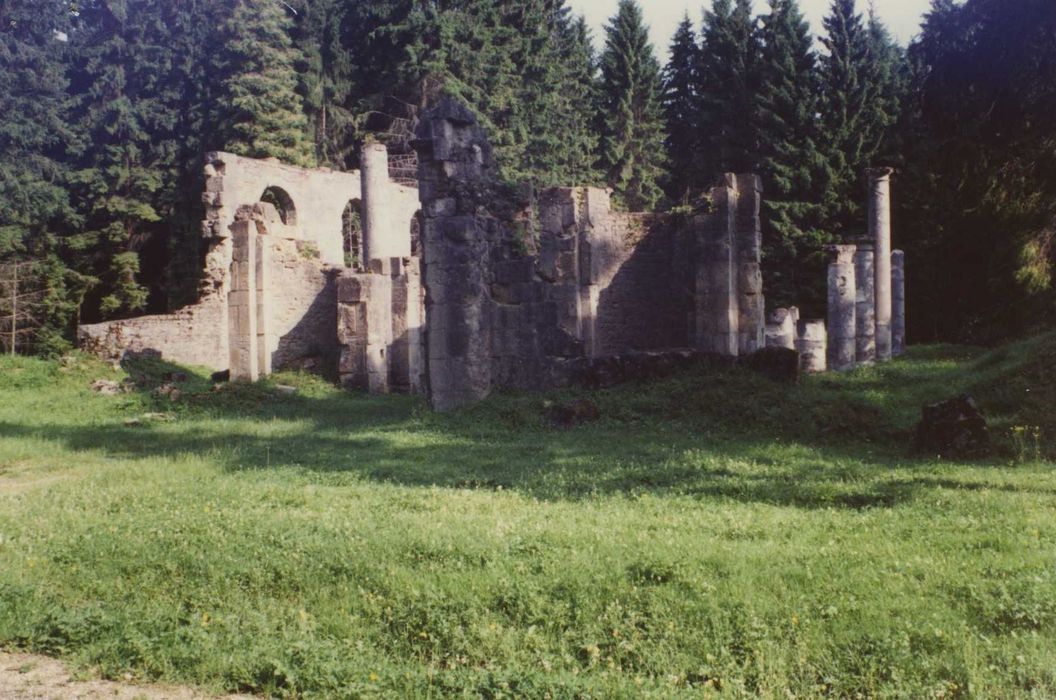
352 234
416 233
283 203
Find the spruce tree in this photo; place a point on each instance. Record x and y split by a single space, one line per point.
34 205
633 136
263 113
126 111
791 163
728 88
326 77
851 118
681 111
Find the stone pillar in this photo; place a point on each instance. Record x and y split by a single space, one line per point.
865 305
749 243
898 302
880 232
242 304
812 343
364 330
263 251
454 159
383 239
780 329
842 351
717 311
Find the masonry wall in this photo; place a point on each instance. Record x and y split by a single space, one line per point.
518 291
195 335
298 262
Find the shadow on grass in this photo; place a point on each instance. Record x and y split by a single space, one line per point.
707 434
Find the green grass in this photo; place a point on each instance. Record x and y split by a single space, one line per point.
714 534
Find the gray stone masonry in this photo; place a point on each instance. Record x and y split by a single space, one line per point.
242 304
865 306
781 329
842 328
749 242
880 232
812 343
898 302
454 160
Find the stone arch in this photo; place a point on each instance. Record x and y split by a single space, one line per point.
352 233
416 234
283 203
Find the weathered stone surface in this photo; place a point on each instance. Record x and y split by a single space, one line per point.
953 428
106 387
842 326
812 344
880 232
898 302
777 363
781 329
865 304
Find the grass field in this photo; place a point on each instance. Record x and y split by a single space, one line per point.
714 534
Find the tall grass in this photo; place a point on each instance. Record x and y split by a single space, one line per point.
714 533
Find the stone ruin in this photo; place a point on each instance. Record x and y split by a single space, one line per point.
464 286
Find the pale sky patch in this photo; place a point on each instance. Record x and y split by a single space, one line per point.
902 17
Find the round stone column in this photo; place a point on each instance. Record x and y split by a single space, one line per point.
811 341
381 240
780 329
898 302
865 303
880 232
843 329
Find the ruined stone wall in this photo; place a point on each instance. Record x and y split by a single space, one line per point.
318 198
518 292
303 306
195 335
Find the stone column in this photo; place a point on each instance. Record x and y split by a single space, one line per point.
898 302
749 242
780 329
242 304
717 314
263 306
382 239
454 161
842 351
865 305
812 343
880 232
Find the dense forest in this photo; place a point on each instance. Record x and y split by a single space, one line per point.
109 105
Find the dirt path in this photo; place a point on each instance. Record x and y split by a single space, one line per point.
30 677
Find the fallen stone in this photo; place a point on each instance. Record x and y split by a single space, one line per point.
106 387
569 414
777 363
219 377
284 390
953 428
168 391
177 377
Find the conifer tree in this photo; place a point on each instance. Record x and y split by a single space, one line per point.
126 112
326 77
633 136
264 114
728 88
852 123
681 111
34 203
791 163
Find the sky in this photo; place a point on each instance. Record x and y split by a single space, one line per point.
901 16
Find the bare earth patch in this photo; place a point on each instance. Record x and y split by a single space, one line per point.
32 677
